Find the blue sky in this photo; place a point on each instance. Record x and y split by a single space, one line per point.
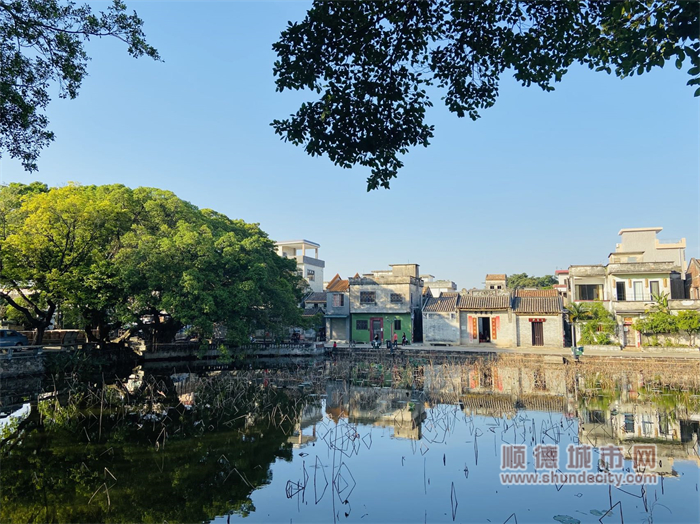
540 182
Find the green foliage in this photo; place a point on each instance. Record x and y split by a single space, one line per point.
370 65
42 43
110 256
522 280
689 323
597 325
657 322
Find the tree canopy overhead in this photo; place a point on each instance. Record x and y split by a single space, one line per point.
370 64
41 44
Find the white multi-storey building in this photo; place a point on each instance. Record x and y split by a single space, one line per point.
309 267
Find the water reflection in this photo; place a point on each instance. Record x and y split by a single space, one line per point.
388 440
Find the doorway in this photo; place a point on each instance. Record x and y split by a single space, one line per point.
376 327
629 334
537 334
484 329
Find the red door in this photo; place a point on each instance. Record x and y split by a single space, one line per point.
376 327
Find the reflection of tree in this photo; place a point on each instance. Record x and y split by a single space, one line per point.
64 473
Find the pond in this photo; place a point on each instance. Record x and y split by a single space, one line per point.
347 440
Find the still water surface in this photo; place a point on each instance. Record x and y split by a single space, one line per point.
349 441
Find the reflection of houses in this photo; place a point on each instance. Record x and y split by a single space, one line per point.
378 407
495 317
384 303
311 415
310 268
629 423
640 268
497 389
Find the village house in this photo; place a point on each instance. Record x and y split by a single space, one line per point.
338 309
640 269
310 268
435 287
562 285
495 318
539 317
496 281
383 303
315 310
692 280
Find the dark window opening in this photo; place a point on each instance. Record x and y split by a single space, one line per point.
361 325
620 291
589 292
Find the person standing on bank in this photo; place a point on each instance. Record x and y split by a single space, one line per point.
396 340
403 340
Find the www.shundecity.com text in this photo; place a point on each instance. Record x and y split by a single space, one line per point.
558 478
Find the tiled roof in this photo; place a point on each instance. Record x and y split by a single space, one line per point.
311 312
337 284
441 305
552 305
496 276
484 302
316 298
536 293
449 294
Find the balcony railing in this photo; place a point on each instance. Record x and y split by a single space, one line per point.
640 297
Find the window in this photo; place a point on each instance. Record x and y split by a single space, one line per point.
596 417
361 325
396 298
589 291
338 300
629 423
453 316
311 274
620 291
491 287
368 297
654 287
397 325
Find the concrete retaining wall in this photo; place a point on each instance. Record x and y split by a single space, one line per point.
21 365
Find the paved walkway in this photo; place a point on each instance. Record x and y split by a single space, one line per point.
566 352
